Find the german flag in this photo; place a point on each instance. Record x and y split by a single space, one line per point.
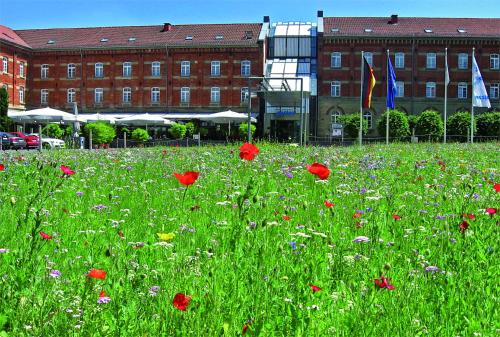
368 84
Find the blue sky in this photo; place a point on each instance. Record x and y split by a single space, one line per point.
20 14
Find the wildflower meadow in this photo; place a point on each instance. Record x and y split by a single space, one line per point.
255 240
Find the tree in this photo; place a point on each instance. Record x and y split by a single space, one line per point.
53 131
350 123
458 124
102 133
190 129
412 122
140 135
430 123
398 124
488 124
243 130
177 130
4 102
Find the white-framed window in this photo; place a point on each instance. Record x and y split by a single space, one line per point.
185 68
462 90
463 59
155 69
430 89
99 70
369 58
44 96
71 70
495 61
155 95
336 117
127 69
335 89
185 94
127 95
71 95
431 61
215 95
5 65
369 118
21 94
215 68
246 68
494 91
44 71
21 69
399 60
336 60
98 95
400 89
244 95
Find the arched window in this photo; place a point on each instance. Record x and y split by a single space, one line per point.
336 116
369 118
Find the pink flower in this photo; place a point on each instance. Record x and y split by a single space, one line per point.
67 171
383 282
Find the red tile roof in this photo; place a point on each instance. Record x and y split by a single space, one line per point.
441 27
202 35
7 34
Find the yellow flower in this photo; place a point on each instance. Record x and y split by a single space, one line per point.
165 236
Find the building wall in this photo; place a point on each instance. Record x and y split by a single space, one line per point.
12 79
141 81
415 75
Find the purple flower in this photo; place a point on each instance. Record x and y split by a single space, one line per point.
79 194
360 239
103 300
4 250
55 273
293 244
363 191
440 217
153 291
100 207
431 269
288 174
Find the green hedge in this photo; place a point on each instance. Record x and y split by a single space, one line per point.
102 133
488 124
430 123
398 124
351 125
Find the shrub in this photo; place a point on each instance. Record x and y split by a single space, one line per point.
351 125
430 123
4 102
190 129
178 130
5 123
140 135
102 133
458 124
243 130
203 132
412 122
488 124
398 124
53 131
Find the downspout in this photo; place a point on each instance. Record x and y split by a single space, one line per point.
413 81
81 80
166 77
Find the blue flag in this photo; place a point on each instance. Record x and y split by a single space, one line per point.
392 89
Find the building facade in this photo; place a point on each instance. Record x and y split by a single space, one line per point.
207 68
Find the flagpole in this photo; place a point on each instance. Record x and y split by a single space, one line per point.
360 135
472 105
446 81
387 108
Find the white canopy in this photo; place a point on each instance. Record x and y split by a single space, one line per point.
98 118
46 115
143 119
227 117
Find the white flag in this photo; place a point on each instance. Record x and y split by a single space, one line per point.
446 74
479 94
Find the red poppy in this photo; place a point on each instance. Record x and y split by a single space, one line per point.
2 167
328 204
188 178
245 327
314 288
319 170
97 273
491 211
67 171
102 294
286 217
248 151
469 216
464 225
181 301
497 187
356 215
383 282
45 236
396 217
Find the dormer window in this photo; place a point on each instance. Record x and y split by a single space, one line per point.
368 30
428 30
461 31
219 37
131 39
189 37
248 34
335 30
104 39
51 42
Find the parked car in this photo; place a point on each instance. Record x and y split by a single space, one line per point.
50 143
31 141
15 142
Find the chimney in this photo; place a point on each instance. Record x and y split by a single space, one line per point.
320 14
394 19
167 26
266 18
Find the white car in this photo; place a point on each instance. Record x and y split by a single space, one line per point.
50 143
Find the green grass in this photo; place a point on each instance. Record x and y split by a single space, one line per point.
232 250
